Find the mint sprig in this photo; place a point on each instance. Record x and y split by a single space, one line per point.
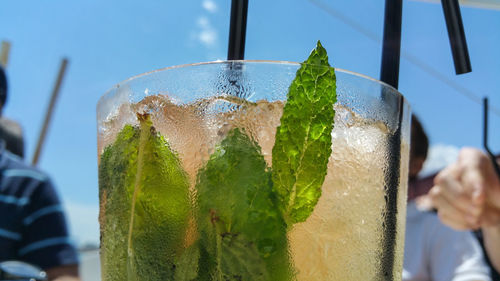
303 139
145 205
242 232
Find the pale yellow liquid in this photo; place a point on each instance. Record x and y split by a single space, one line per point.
342 239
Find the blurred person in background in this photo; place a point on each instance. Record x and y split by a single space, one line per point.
466 195
12 134
32 223
434 251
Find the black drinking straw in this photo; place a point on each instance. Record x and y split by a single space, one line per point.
485 136
237 30
389 72
456 35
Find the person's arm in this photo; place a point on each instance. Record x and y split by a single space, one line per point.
467 196
63 273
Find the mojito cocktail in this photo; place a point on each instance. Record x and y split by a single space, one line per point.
252 170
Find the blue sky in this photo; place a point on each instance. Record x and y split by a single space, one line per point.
109 41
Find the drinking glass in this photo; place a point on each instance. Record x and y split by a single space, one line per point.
185 158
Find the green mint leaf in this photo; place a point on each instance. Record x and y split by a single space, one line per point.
239 260
236 202
145 205
303 139
187 265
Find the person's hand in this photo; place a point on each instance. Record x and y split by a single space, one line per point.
467 193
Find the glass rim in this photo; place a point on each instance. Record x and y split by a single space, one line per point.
117 85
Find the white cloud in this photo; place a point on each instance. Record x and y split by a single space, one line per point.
207 34
203 22
439 156
210 6
208 37
83 222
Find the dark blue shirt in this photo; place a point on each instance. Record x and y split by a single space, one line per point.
32 223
